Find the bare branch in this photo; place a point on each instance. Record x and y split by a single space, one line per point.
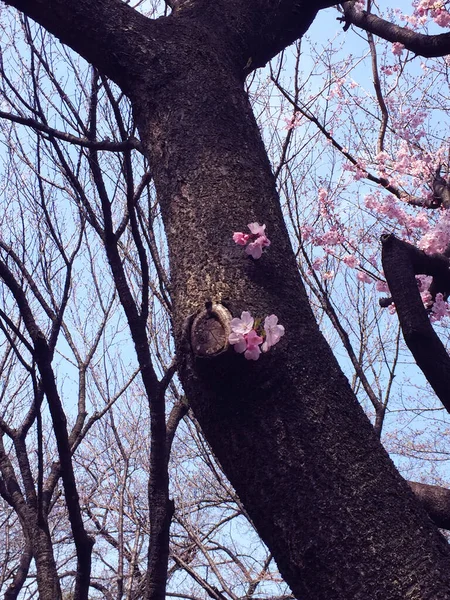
129 144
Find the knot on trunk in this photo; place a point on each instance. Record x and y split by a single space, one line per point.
210 328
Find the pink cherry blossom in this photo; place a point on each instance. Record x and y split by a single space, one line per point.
255 248
397 48
351 261
247 335
440 309
317 263
424 282
427 298
238 341
243 325
256 240
273 332
253 341
363 277
256 228
294 121
240 238
437 238
382 286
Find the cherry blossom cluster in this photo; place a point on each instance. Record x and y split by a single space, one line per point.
437 238
250 336
255 241
397 48
437 308
436 10
295 121
425 10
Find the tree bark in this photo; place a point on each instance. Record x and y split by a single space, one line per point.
435 500
46 572
287 429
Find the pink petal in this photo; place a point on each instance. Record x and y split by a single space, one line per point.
273 332
240 238
242 325
253 339
238 341
254 249
256 228
263 240
252 353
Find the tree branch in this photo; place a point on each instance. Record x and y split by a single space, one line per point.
423 45
129 144
20 576
268 27
435 500
401 263
105 32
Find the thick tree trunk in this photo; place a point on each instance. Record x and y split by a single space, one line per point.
47 574
287 429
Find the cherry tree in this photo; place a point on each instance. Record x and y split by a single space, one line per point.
266 390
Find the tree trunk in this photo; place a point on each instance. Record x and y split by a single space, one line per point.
287 429
47 574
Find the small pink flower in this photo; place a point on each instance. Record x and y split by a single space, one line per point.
244 324
238 341
382 286
256 228
253 341
440 308
240 238
273 332
255 248
241 330
397 48
427 298
363 277
245 336
257 240
317 263
351 261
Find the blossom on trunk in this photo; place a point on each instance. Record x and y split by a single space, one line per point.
273 332
256 239
249 336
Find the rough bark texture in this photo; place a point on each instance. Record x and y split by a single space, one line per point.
47 575
435 500
288 431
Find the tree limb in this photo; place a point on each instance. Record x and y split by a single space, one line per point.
435 500
419 43
401 263
105 32
130 144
